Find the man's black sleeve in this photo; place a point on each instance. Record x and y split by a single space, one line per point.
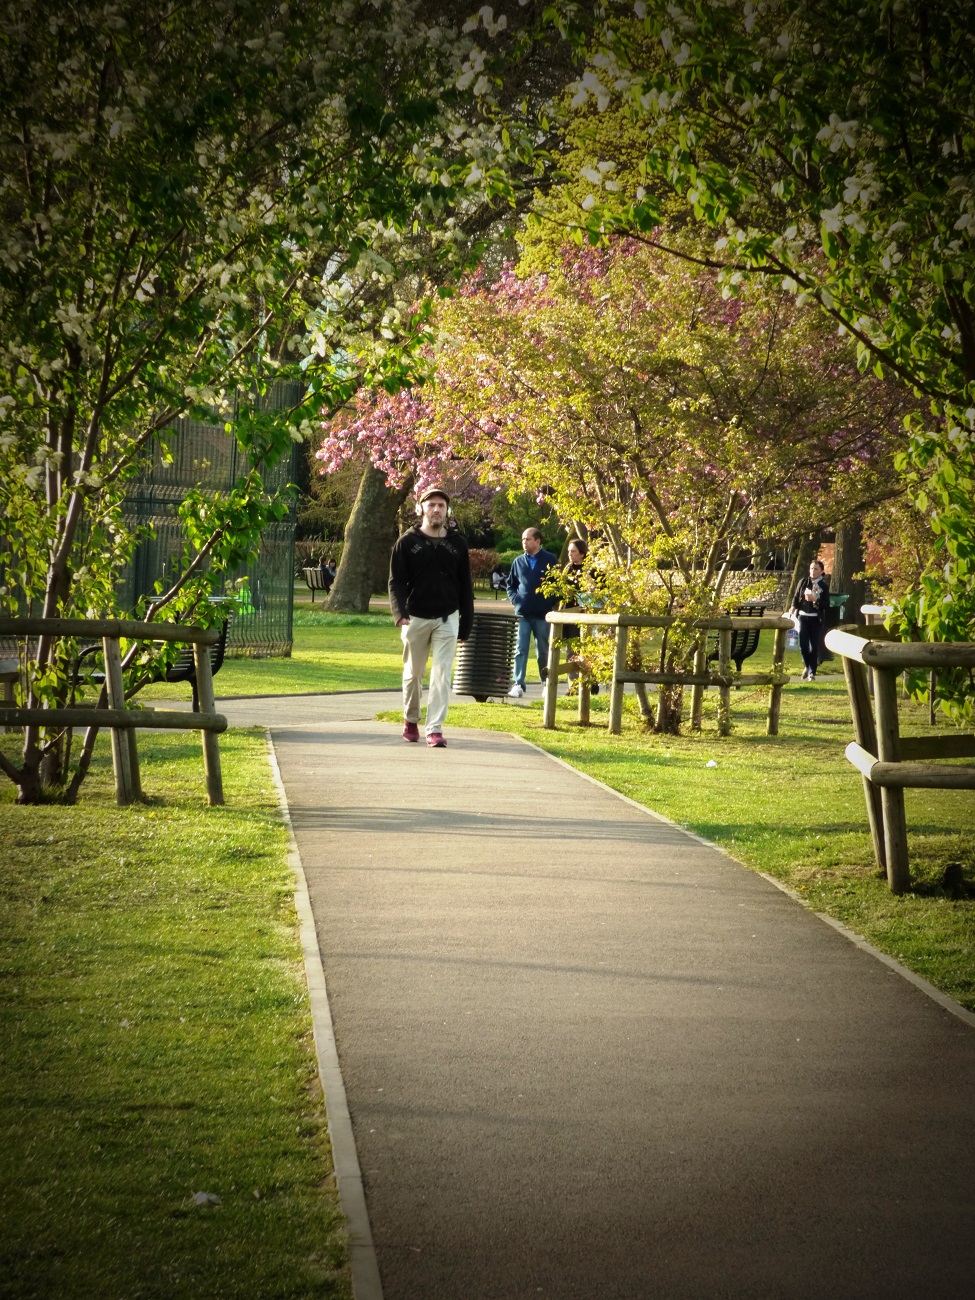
398 582
466 586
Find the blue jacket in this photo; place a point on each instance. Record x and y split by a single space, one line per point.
523 583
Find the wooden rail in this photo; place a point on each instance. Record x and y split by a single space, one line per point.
699 679
887 763
122 720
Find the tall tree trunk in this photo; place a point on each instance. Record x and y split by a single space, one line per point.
369 537
849 559
807 552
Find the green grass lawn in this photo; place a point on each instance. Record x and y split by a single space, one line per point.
155 1043
332 652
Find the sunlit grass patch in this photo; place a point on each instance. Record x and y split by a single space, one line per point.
155 1044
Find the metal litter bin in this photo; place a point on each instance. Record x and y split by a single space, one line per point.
834 617
483 663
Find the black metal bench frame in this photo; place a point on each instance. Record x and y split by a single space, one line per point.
315 581
183 670
744 640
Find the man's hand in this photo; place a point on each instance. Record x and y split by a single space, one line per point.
402 622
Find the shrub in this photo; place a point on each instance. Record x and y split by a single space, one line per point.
483 562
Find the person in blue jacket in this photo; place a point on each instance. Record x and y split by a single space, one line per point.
530 605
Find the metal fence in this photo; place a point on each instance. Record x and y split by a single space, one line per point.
206 457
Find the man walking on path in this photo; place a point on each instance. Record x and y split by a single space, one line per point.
431 597
530 605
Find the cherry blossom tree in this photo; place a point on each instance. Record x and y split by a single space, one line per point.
679 425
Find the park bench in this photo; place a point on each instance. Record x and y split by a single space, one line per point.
744 640
183 670
315 580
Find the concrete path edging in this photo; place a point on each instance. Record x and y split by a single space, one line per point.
364 1266
935 994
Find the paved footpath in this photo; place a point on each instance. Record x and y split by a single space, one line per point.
586 1055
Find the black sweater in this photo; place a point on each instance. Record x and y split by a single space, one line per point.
431 577
819 607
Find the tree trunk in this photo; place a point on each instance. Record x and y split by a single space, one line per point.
369 537
849 559
807 552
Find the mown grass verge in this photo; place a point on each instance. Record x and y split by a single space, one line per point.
790 805
155 1044
332 652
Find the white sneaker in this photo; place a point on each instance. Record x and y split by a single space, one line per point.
516 692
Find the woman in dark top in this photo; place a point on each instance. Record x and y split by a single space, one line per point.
573 573
810 600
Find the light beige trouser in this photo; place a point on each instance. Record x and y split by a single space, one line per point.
420 636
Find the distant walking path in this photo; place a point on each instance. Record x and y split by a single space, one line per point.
587 1056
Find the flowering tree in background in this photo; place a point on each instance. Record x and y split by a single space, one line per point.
396 436
198 200
677 424
800 127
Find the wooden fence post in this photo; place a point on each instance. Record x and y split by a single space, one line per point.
891 797
121 749
551 691
865 734
700 667
208 704
724 692
616 688
131 741
775 694
583 681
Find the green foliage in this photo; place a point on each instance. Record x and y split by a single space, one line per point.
198 202
832 146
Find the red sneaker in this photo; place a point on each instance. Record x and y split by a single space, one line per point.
436 741
411 731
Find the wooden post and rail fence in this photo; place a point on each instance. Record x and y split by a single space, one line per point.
124 721
888 762
699 679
